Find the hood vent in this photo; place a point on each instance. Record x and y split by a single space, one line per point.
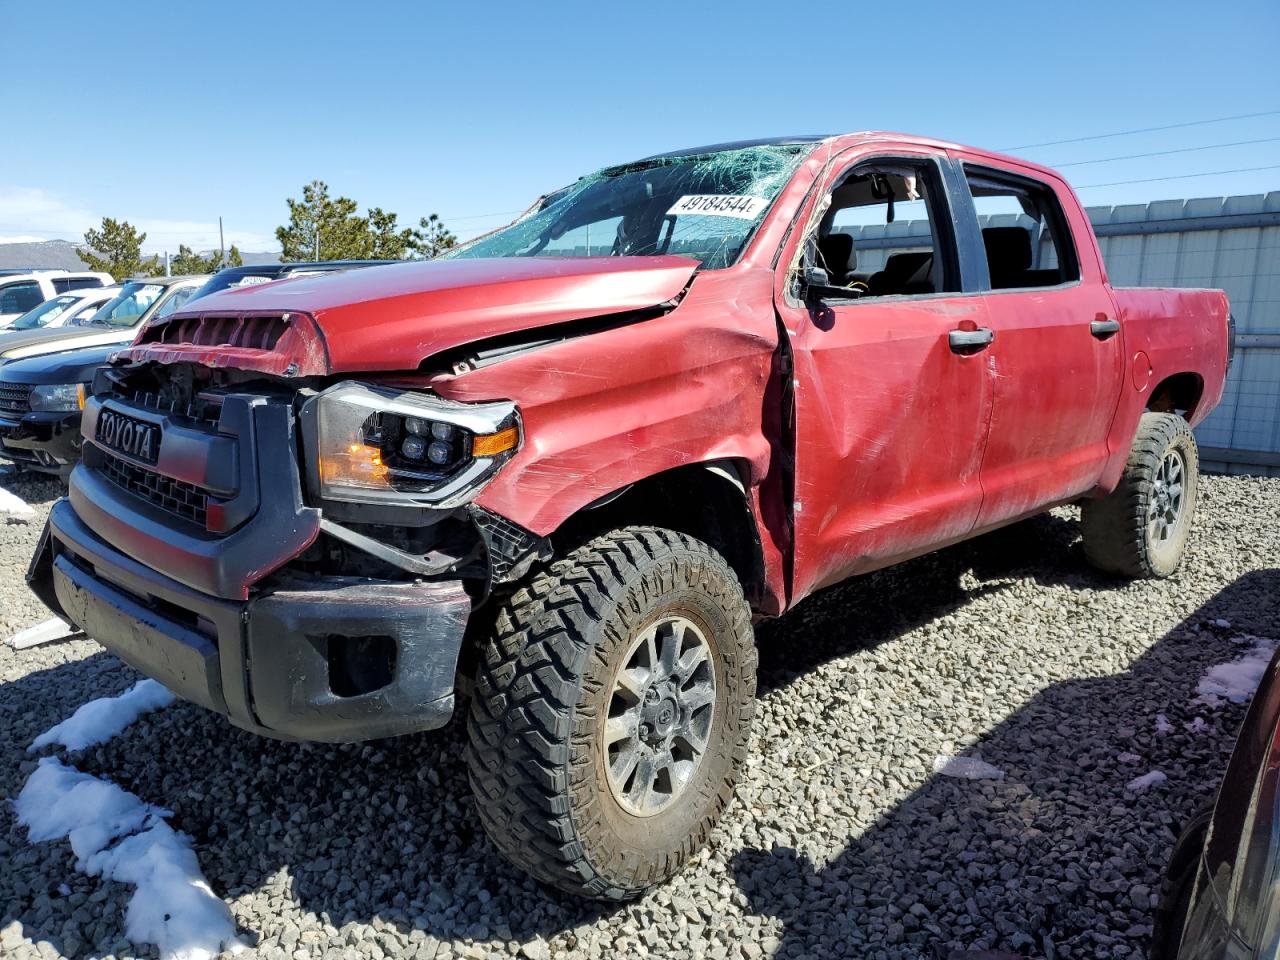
245 332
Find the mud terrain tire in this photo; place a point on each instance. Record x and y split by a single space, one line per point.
1141 528
563 675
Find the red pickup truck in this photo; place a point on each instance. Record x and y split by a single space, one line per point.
566 466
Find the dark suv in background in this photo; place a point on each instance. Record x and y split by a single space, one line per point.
258 273
41 397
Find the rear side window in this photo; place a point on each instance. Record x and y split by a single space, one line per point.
63 284
1024 231
20 297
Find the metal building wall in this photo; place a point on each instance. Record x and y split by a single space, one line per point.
1227 242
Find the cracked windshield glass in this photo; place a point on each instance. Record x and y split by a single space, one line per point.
704 206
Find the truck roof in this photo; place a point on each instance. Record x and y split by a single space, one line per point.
840 141
740 145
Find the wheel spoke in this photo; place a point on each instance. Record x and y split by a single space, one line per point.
626 761
690 662
672 638
621 728
642 789
697 696
630 683
651 649
693 739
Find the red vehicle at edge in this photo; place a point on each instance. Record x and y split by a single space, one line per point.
575 458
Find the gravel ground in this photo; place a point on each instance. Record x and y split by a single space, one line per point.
842 841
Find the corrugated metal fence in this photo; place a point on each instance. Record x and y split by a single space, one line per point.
1227 242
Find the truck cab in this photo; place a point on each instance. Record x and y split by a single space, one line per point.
566 466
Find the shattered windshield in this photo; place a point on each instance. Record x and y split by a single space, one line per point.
704 206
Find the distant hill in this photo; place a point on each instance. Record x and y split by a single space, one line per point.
42 255
61 255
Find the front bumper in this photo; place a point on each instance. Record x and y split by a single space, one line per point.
44 441
300 660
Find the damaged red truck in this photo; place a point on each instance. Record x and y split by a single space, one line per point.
566 466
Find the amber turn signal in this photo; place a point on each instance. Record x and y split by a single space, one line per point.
359 465
492 444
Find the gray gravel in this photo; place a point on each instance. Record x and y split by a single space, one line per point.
842 841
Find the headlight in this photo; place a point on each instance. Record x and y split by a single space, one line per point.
376 444
58 397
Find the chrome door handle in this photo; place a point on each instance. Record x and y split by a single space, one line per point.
1102 329
967 341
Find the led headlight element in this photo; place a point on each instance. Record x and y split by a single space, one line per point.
374 444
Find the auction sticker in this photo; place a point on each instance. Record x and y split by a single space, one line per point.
719 205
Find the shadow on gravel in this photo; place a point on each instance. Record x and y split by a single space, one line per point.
1030 864
899 599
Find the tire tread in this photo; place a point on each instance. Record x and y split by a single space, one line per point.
528 680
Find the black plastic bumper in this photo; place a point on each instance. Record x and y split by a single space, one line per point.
49 442
272 663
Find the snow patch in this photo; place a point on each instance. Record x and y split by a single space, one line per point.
1162 724
966 768
1145 782
172 905
1195 725
1236 681
99 720
1221 624
52 629
13 504
1129 758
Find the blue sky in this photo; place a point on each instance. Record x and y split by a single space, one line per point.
177 113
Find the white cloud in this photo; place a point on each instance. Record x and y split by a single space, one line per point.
30 214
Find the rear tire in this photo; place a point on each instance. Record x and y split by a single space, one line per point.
1141 528
612 710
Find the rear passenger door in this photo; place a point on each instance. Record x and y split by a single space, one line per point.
1057 347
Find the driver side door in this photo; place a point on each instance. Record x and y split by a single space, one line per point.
891 407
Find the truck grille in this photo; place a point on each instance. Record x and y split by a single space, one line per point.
177 497
15 397
199 409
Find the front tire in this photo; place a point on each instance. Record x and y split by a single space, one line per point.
612 710
1141 528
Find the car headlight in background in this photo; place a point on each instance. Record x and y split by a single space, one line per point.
57 397
373 443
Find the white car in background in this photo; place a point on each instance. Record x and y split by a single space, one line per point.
24 290
63 310
115 322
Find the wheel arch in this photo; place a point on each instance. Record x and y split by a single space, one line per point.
1178 393
709 501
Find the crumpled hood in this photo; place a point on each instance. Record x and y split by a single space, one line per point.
392 318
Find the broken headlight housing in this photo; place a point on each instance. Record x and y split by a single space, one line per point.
378 445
